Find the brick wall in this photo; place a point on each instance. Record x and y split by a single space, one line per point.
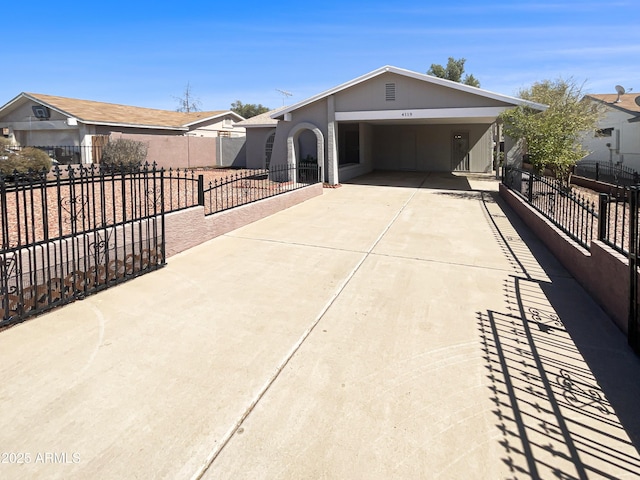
188 228
602 272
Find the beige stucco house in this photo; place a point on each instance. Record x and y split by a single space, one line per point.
79 126
616 140
387 119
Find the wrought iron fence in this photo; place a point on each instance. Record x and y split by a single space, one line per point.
74 232
181 189
606 172
80 229
570 212
252 185
618 224
615 216
633 324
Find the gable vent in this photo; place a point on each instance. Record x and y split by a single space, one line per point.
390 92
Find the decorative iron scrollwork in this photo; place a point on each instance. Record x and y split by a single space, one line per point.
8 269
579 397
75 206
100 246
546 321
154 198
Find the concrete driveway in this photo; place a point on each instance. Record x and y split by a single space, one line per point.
401 326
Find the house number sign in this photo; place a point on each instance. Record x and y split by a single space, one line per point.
407 114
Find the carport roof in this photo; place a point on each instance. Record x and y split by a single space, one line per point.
418 76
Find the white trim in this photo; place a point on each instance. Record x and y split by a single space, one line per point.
41 125
239 118
257 125
418 114
134 125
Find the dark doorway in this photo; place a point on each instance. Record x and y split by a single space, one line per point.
349 140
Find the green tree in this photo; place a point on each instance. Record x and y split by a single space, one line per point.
453 71
552 137
248 110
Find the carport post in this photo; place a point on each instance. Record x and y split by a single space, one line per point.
332 142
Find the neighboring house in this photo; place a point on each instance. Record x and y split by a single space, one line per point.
617 138
388 119
32 119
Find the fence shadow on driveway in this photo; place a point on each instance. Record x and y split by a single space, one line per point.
562 378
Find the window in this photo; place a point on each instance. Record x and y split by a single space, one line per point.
349 144
390 92
604 132
268 149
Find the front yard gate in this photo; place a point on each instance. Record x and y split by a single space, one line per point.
76 231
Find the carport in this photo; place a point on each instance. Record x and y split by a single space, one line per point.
388 119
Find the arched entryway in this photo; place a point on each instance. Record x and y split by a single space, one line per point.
301 147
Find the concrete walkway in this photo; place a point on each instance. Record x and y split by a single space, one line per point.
402 326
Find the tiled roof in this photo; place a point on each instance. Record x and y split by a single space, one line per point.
89 111
627 101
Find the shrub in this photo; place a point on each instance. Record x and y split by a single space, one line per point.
29 160
124 154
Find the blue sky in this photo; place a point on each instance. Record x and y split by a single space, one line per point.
144 53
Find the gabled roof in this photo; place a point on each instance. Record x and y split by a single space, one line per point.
628 101
262 120
101 113
418 76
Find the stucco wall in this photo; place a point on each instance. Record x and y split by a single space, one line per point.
177 151
188 228
255 144
625 149
231 151
316 114
410 94
602 272
28 130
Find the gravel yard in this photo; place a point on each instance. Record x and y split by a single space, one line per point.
31 215
618 221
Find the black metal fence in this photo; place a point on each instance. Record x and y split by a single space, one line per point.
80 229
188 188
618 224
633 323
252 185
614 219
606 172
74 232
572 213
